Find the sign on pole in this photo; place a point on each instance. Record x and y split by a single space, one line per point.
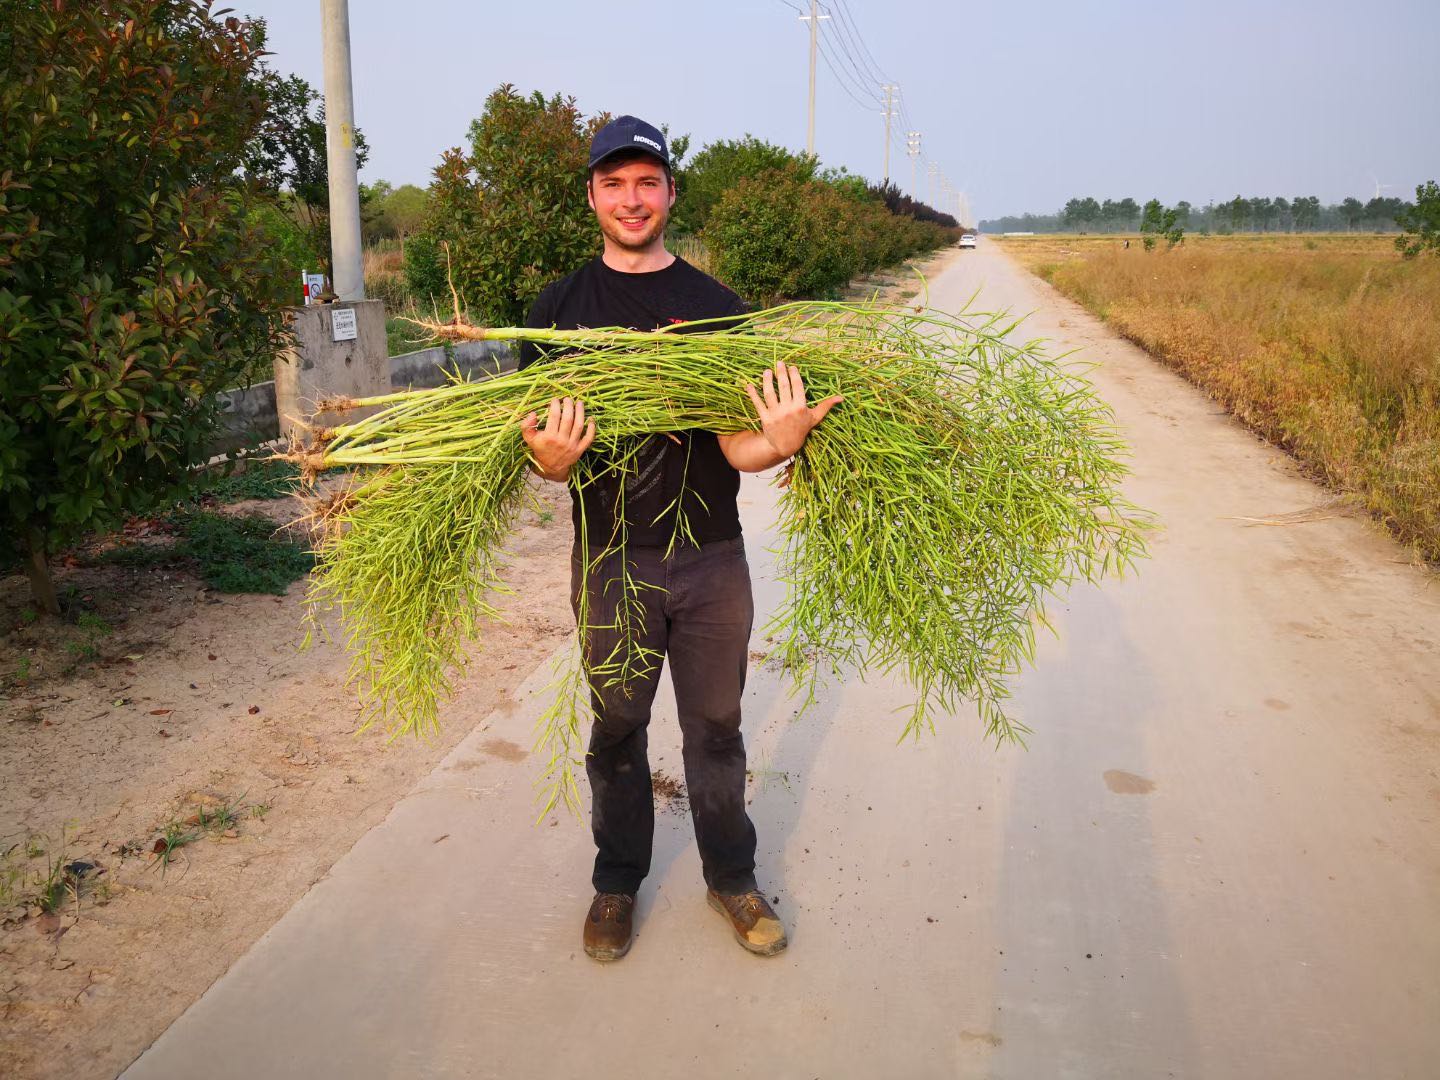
342 324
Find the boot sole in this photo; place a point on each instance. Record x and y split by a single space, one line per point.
758 950
605 955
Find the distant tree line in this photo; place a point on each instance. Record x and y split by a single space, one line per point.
1303 213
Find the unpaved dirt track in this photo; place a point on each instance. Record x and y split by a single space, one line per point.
1218 858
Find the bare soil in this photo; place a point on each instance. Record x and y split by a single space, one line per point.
183 707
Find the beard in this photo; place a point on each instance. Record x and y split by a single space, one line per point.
634 241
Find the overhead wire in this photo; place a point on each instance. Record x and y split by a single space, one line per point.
854 82
842 80
852 34
860 76
839 42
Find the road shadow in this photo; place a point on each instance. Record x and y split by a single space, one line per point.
1086 985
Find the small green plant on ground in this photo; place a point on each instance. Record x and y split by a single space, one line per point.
260 479
21 674
172 838
46 889
234 553
209 817
240 554
92 629
218 818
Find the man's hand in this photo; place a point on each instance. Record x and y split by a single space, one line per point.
559 444
785 419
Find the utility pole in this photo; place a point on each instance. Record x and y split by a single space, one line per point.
891 98
932 172
814 20
345 259
912 149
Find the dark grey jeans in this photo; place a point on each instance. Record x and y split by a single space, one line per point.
699 618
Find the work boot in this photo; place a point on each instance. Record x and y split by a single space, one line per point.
609 926
756 925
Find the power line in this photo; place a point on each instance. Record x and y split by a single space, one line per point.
839 78
855 46
843 42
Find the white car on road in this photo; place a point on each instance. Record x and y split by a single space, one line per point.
968 240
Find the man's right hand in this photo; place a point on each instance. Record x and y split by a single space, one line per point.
559 444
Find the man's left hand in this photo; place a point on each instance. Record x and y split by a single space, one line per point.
785 419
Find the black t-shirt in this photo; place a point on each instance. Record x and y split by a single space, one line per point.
598 296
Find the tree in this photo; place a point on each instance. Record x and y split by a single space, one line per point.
1384 210
1126 211
1282 212
720 167
1151 222
288 151
1238 211
390 212
903 205
1262 210
1080 214
135 281
1421 222
513 208
1182 213
1352 210
405 210
1305 209
1157 222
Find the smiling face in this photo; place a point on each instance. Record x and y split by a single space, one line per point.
632 200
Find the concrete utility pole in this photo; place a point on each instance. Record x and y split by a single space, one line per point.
814 20
892 94
912 149
345 258
339 348
933 170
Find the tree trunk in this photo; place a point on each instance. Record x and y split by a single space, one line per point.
42 588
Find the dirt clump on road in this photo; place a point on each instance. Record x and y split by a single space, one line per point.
670 794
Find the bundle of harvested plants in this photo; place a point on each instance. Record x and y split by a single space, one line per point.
963 479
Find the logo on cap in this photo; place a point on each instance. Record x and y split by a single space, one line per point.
628 133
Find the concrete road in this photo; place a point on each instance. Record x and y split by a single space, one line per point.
1218 858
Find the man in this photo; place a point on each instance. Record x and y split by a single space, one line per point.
700 610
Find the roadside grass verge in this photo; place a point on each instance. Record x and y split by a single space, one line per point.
1328 346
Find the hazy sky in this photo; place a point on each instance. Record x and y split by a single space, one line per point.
1022 104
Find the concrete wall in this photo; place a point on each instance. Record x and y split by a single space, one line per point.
249 416
321 367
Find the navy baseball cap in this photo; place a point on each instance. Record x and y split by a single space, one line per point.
628 133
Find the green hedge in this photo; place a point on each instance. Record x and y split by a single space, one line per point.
778 235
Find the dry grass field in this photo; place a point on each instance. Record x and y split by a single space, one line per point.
1327 345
